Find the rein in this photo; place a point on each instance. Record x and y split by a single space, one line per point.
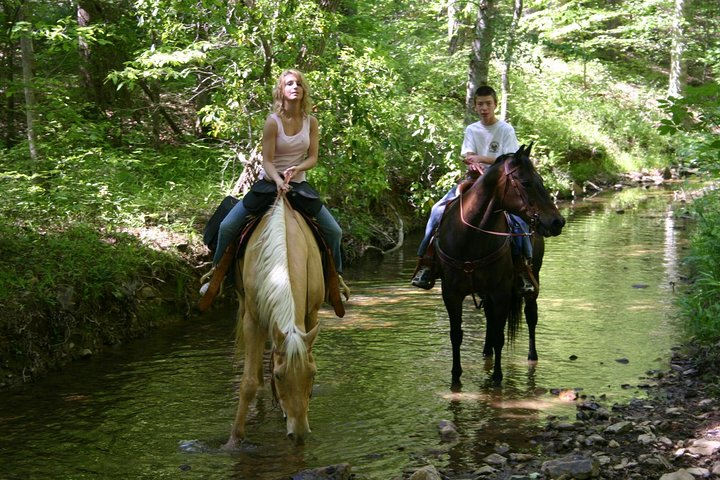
520 192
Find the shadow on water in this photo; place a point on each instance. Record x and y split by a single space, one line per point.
161 407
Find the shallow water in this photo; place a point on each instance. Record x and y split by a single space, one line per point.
161 407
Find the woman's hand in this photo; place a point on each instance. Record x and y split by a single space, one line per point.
282 185
289 173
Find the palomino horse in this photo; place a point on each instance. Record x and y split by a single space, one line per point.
280 294
473 244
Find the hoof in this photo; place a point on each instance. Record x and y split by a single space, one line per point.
231 445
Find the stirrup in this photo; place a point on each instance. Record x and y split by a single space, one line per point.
424 278
344 289
204 279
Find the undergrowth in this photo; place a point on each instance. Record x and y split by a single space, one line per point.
701 305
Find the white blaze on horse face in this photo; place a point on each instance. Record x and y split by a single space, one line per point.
293 384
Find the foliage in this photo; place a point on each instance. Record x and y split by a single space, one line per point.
701 305
694 121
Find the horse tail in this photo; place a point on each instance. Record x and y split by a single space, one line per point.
515 317
275 302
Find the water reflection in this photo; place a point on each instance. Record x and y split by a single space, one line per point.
161 407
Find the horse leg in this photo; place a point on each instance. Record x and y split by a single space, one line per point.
487 346
531 318
496 313
251 378
453 305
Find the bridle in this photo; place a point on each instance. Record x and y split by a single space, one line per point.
468 266
511 179
271 367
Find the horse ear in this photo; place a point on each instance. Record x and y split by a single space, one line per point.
527 152
521 151
310 337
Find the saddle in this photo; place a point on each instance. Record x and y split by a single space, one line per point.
332 286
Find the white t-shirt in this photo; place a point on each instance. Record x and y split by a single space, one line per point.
492 141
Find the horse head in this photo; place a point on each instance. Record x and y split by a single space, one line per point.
524 193
293 375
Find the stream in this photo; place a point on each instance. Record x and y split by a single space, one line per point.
160 407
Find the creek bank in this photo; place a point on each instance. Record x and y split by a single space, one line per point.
673 433
41 334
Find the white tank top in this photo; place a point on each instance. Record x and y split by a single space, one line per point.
290 151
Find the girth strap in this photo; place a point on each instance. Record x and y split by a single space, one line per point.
469 266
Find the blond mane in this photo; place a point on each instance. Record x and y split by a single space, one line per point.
276 305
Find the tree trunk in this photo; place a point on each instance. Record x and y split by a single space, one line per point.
98 59
28 68
676 85
7 77
509 52
154 98
480 56
453 26
87 11
201 96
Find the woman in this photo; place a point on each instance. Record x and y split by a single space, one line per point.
289 149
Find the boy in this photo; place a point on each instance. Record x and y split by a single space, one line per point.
484 141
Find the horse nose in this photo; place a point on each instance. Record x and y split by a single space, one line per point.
296 438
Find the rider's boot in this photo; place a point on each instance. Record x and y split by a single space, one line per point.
424 276
210 289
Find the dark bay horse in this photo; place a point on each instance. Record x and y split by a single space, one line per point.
280 292
473 245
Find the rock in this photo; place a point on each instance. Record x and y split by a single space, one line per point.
425 473
502 448
646 438
448 431
340 471
193 446
620 427
521 457
704 447
574 466
681 474
495 459
485 470
595 439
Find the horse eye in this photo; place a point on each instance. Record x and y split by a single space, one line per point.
527 185
277 377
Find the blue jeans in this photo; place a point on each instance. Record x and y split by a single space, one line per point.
521 245
436 214
233 223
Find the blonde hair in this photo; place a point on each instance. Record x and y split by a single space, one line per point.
279 96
